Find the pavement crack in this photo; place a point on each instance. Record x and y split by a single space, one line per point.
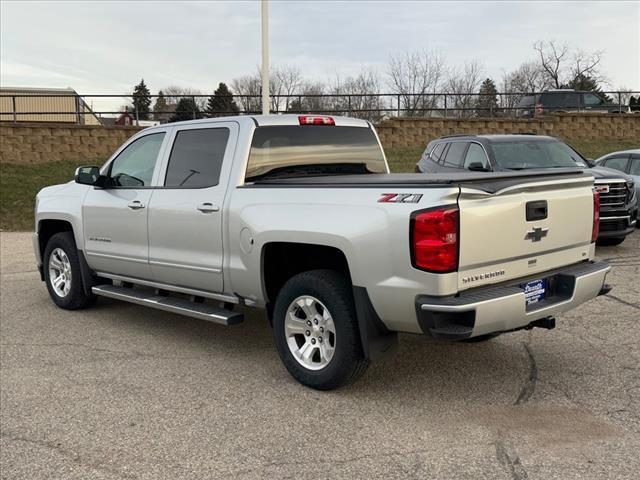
73 456
624 302
510 461
529 387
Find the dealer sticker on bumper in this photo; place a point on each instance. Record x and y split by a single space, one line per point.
534 291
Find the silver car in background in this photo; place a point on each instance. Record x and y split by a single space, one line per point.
627 161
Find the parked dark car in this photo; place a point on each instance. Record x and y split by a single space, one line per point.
565 101
491 153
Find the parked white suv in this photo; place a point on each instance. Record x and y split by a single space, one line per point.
299 215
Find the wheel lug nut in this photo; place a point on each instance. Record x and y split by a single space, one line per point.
315 321
307 333
320 339
313 341
321 330
309 322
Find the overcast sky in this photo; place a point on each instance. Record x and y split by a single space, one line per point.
106 47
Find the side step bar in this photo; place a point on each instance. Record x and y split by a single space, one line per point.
169 304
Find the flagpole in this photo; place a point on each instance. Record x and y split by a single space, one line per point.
265 57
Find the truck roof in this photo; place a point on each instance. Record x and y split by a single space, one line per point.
272 120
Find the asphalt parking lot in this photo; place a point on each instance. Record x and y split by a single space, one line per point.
120 391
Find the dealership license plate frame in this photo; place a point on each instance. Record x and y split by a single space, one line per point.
535 291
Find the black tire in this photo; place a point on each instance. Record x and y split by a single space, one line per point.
481 338
333 290
76 298
610 242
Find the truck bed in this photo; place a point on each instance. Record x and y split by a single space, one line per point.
487 182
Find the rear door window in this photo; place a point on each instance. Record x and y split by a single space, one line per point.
196 158
560 100
617 163
455 154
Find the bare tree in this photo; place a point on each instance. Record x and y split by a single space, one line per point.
562 66
462 85
358 96
415 77
285 80
174 93
247 90
528 78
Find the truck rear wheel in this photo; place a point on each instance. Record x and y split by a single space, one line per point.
62 275
316 330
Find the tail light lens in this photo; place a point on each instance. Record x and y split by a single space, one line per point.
596 216
434 239
539 109
316 120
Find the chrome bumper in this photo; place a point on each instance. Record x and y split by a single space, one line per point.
502 307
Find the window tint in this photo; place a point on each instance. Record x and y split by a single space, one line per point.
617 163
313 150
133 167
476 154
455 153
196 158
590 99
527 101
635 166
536 154
560 99
436 154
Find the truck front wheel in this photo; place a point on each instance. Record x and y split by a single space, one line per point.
62 273
316 330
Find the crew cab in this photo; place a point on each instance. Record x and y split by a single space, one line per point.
298 215
504 153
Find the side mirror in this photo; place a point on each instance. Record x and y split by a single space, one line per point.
590 162
87 175
478 167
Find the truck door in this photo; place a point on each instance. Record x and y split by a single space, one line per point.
115 217
185 212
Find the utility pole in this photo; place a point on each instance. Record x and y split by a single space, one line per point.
265 57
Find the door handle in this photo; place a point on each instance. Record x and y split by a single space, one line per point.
136 205
208 207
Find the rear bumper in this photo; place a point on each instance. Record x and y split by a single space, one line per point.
502 307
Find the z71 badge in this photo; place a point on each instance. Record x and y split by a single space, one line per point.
400 198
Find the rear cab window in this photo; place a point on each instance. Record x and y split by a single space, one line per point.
292 150
196 158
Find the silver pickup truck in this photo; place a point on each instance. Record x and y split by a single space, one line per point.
299 215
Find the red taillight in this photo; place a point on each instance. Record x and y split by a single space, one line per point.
539 109
434 240
316 120
596 217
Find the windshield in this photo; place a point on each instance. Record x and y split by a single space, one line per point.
286 151
519 155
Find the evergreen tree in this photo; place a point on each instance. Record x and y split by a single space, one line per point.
487 103
588 84
141 100
161 108
186 109
221 103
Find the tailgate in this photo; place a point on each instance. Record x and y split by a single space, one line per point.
498 243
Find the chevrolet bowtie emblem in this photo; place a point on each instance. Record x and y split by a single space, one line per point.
536 234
